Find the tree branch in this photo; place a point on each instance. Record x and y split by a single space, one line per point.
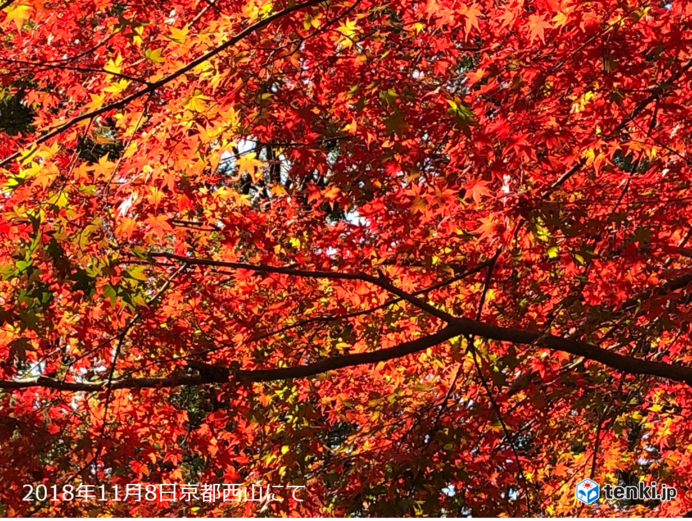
463 326
655 93
166 79
334 275
674 284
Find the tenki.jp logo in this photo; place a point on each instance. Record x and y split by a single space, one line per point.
588 492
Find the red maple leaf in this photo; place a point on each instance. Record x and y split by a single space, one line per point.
537 25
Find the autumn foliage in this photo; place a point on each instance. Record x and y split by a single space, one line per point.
419 257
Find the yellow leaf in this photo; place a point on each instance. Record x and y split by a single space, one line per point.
114 66
45 173
242 199
560 19
348 29
257 10
154 55
137 273
230 116
249 164
278 190
178 35
225 193
28 153
96 102
196 102
18 13
156 195
60 200
118 86
138 36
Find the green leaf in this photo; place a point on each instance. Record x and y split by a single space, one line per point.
19 347
154 55
83 282
137 273
464 118
110 292
394 123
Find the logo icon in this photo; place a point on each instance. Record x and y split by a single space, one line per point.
588 491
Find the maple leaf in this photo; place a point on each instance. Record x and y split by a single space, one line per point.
477 190
471 13
560 19
537 25
114 66
117 86
487 228
19 14
156 195
349 31
441 67
418 204
197 102
555 5
442 14
103 168
178 35
507 18
332 193
475 77
278 189
250 165
464 117
126 227
96 102
154 55
159 225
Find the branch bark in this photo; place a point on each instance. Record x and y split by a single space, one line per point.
463 326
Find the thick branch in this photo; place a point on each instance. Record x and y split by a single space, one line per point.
128 383
626 364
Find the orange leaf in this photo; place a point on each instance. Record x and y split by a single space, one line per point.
537 25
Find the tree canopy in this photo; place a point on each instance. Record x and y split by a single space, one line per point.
413 257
